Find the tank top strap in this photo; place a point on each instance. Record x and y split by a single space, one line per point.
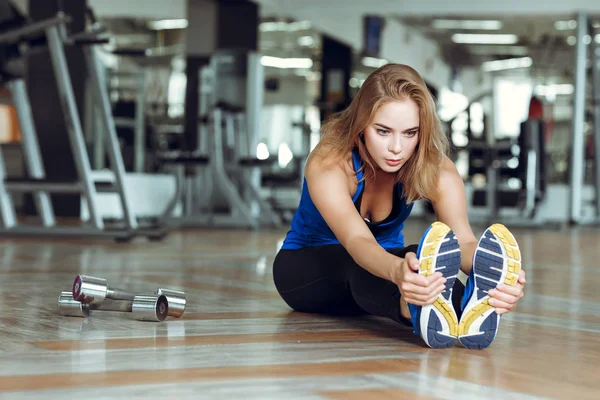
357 161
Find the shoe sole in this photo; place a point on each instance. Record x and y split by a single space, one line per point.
497 259
440 252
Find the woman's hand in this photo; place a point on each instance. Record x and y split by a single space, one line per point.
504 298
414 288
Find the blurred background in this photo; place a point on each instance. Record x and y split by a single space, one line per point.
215 105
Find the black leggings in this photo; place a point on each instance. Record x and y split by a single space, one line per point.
326 280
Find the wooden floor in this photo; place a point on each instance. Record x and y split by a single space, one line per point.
237 339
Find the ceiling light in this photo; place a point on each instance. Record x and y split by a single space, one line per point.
306 41
262 151
555 89
284 26
272 26
565 88
565 25
373 62
511 63
168 24
571 40
284 155
466 24
482 38
286 63
299 26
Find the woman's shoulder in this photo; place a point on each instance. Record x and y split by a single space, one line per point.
448 170
449 178
323 161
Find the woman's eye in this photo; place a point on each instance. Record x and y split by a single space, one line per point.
411 134
382 131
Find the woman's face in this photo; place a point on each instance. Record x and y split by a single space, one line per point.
393 134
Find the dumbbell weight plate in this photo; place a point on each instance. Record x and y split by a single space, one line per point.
150 308
177 301
70 307
89 289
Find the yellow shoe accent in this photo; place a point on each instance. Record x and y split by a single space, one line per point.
426 267
511 279
514 267
448 314
512 252
467 320
438 232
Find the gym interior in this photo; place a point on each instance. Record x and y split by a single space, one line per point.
152 157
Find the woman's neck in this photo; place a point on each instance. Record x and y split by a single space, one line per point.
383 178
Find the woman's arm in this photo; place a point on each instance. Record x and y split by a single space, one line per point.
330 191
451 209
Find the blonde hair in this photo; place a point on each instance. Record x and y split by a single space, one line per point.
392 82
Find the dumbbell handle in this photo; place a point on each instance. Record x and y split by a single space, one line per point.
124 305
118 294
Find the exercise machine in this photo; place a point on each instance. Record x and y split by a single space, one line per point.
218 183
53 34
578 204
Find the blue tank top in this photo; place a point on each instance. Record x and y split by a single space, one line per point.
308 228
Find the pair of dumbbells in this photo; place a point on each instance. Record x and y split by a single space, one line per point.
90 293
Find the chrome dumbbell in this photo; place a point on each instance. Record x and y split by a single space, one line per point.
143 308
92 290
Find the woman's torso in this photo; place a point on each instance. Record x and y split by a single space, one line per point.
308 228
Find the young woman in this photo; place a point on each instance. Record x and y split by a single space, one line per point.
345 251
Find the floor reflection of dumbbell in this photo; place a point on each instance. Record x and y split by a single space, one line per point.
143 308
92 290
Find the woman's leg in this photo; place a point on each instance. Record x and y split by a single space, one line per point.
312 280
381 297
325 279
375 295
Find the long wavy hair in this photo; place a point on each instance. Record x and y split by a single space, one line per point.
392 82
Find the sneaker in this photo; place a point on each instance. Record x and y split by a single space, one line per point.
497 260
437 323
